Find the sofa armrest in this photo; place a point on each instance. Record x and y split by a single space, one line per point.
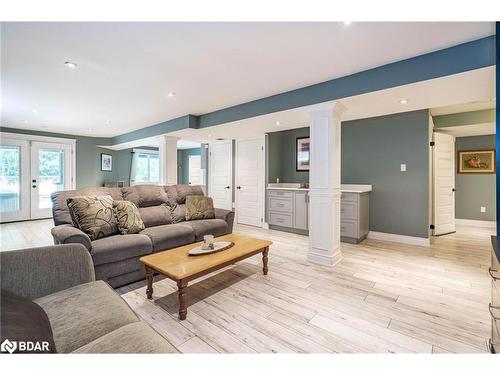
40 271
226 215
67 233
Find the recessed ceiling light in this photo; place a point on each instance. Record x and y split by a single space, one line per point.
347 23
210 135
34 111
171 94
70 64
25 121
403 101
90 130
108 122
278 123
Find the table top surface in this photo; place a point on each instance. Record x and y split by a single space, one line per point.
177 264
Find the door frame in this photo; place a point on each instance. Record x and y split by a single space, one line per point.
210 168
28 138
262 178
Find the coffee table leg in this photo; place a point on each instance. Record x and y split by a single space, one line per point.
181 284
264 260
149 279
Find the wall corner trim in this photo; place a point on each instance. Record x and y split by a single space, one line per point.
381 236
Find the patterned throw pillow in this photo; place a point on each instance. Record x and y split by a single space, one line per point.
128 217
93 215
199 207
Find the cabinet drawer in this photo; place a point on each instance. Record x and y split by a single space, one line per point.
349 197
280 193
283 205
348 210
280 219
349 229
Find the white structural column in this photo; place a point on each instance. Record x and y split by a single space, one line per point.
168 160
324 185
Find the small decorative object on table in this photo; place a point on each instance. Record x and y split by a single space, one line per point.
208 242
209 246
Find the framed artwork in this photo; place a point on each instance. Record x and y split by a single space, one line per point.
302 154
106 162
476 161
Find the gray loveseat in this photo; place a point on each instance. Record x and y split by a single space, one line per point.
162 208
86 316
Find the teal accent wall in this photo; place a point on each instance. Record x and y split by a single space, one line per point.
183 164
372 151
281 156
464 118
475 190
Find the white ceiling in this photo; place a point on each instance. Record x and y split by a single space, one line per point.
126 70
470 87
464 107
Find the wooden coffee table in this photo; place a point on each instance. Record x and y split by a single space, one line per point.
178 265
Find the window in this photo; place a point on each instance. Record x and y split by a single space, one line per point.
145 167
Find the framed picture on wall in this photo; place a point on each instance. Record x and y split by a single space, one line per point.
106 162
476 161
302 154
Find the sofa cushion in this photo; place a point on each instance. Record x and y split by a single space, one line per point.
217 227
115 248
108 270
184 190
178 213
166 237
156 215
83 313
199 207
128 217
133 338
93 215
145 195
24 320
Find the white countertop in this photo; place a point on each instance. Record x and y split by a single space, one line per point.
344 188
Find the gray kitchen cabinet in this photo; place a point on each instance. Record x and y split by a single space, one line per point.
287 210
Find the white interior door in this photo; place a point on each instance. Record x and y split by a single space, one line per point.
220 186
51 170
250 182
195 175
14 180
444 183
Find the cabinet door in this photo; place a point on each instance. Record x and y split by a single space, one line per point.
300 211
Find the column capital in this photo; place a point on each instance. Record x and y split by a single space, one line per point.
336 107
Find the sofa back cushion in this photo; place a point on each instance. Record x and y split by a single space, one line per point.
93 215
184 190
145 195
155 215
128 217
60 211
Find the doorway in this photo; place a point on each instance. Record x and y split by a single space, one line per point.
220 185
30 171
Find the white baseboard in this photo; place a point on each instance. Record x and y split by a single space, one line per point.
381 236
476 223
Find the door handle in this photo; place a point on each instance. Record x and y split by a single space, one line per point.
453 189
238 187
227 187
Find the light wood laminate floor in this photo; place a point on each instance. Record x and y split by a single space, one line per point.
382 297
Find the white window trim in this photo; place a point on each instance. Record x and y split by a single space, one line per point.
134 166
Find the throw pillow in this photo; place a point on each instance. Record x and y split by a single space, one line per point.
128 218
24 320
199 207
93 215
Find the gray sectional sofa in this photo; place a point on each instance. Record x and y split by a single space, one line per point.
162 208
86 316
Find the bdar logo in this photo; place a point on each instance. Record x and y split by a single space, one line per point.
8 346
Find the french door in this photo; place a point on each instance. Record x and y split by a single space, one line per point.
30 172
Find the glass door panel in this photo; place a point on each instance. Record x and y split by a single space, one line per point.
50 172
14 164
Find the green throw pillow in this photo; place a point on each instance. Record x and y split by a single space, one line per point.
93 215
128 217
199 207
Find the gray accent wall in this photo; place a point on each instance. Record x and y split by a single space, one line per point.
475 190
372 152
281 156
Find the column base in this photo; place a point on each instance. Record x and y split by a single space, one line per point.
324 260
